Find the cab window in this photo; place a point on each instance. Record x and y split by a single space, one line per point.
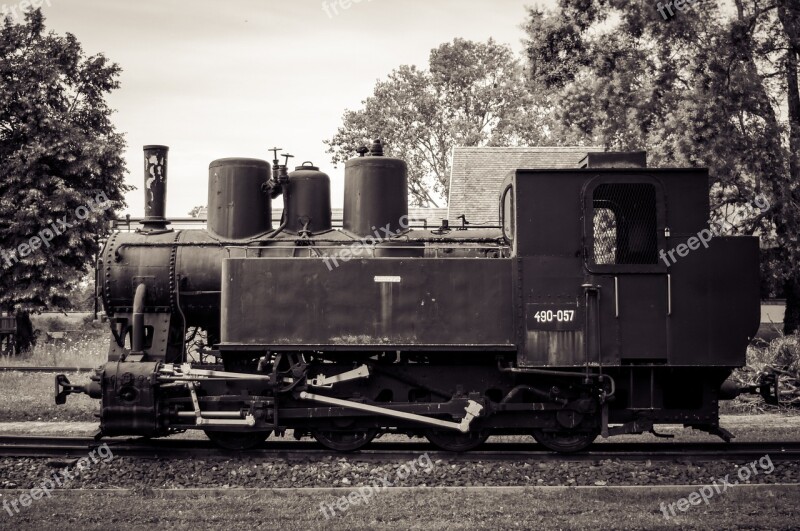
624 224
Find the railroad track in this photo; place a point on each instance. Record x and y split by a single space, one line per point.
75 447
54 370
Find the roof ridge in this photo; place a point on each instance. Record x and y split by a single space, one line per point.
477 169
531 149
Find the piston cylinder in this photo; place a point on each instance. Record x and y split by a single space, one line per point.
238 206
375 193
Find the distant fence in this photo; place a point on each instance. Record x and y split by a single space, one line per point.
8 324
8 333
772 316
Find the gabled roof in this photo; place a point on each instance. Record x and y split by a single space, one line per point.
478 172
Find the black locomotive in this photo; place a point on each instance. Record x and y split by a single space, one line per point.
601 305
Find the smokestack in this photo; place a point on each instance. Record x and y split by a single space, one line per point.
155 187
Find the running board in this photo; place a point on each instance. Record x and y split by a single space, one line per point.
473 409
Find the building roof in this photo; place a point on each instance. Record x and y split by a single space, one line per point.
478 172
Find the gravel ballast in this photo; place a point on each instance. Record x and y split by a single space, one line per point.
124 472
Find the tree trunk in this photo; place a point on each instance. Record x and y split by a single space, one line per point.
25 338
791 321
789 16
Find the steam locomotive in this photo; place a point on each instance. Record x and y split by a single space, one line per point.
564 322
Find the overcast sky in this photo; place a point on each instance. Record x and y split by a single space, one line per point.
215 79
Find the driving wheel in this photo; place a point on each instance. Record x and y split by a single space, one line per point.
455 441
563 441
344 440
232 440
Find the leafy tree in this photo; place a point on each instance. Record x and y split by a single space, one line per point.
786 49
83 298
702 88
470 95
60 159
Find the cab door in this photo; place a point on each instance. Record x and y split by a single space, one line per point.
627 287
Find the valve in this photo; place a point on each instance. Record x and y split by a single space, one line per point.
283 175
280 174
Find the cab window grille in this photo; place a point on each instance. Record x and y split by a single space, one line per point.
625 224
605 240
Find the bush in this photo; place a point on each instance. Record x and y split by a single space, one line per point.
781 354
52 324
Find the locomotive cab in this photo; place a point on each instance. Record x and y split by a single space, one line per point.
618 271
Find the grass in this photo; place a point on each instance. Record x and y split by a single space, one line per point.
83 342
30 396
88 350
769 508
781 352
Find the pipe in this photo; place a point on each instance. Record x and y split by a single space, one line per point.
281 227
538 392
502 214
137 338
155 187
212 414
548 372
238 244
183 316
284 215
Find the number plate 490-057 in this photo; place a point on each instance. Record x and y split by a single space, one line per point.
554 316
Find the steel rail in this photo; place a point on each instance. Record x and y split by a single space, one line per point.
76 447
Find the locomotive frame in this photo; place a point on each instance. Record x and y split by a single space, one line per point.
563 322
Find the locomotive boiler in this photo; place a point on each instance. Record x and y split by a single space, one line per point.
565 322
